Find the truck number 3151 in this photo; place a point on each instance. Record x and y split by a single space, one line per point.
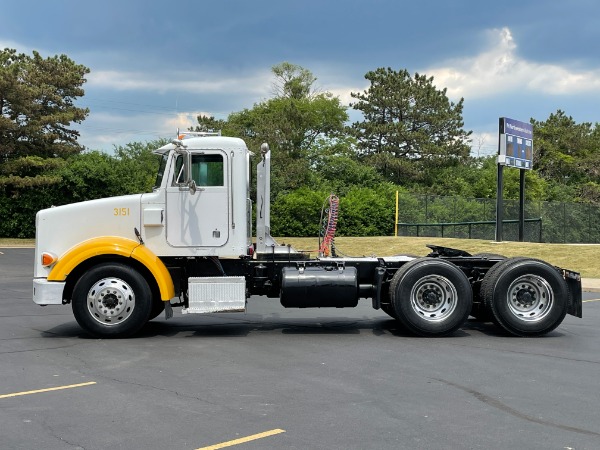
120 211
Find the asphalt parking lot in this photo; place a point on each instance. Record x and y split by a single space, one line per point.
289 379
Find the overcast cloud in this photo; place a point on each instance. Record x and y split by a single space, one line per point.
155 67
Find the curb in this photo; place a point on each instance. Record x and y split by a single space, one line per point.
590 285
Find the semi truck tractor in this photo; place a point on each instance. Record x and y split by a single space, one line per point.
122 261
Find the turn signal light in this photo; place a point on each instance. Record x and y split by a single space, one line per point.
48 259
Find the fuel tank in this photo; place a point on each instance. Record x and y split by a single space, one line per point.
319 287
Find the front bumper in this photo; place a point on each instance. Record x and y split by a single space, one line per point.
48 292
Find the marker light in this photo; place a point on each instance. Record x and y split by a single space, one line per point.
48 259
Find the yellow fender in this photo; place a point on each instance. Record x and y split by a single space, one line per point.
113 245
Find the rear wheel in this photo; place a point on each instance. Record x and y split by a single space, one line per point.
389 310
112 300
526 297
431 297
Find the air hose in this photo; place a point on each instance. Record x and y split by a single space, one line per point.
329 217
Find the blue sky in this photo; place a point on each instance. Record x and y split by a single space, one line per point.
156 65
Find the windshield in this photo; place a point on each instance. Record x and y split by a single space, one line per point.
161 170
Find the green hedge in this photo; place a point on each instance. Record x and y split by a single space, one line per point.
362 212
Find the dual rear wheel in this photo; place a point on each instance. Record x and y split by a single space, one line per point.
523 296
430 297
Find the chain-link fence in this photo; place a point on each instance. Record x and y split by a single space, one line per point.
475 218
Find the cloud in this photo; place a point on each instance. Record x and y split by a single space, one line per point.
343 93
104 130
499 69
115 122
10 44
191 83
184 121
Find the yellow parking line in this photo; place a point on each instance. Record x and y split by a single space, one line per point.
592 300
37 391
243 440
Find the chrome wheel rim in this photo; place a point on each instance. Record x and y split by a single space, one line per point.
434 298
530 298
111 301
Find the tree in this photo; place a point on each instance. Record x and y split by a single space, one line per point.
408 120
292 120
562 147
337 167
209 123
37 98
477 177
292 81
138 165
290 123
567 153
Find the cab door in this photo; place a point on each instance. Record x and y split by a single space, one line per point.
199 219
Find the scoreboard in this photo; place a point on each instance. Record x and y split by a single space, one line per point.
516 144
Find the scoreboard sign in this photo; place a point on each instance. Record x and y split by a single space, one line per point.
516 144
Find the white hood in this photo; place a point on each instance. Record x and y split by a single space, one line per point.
60 228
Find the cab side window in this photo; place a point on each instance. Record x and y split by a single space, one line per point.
207 170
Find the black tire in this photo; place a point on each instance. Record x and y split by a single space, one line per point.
158 306
389 310
112 300
526 297
431 297
479 311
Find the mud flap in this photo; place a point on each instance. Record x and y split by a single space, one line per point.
573 280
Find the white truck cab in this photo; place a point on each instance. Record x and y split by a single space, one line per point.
198 208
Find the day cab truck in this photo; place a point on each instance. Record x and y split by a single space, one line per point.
122 261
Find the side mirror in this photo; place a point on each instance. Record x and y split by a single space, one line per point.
184 179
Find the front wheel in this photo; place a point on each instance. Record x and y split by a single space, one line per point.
158 306
526 297
112 300
431 297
